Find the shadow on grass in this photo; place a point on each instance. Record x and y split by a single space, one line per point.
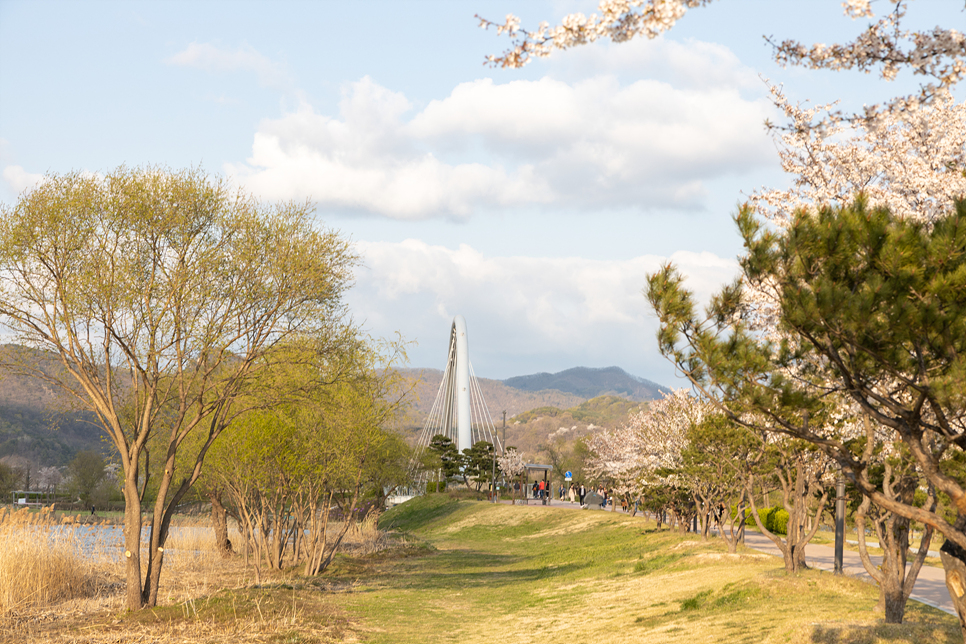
450 570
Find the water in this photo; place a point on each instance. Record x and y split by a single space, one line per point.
92 540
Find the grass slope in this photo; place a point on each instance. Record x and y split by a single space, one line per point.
477 572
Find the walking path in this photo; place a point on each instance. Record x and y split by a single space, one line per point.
930 586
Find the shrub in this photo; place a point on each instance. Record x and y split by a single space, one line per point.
779 521
774 519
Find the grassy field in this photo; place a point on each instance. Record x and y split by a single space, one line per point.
533 574
468 571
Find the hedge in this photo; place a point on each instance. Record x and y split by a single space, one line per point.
775 519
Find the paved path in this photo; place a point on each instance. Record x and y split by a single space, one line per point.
930 586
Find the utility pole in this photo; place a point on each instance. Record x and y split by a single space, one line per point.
493 478
839 521
504 432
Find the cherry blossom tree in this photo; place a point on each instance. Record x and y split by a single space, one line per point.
512 465
647 450
717 465
939 55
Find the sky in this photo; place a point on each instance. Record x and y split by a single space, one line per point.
532 202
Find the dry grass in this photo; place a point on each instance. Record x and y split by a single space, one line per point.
41 562
203 597
364 538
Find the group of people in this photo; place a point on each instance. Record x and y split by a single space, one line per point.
575 493
578 493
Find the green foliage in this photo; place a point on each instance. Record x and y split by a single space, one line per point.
85 474
537 412
435 486
170 288
478 463
284 466
10 479
605 410
774 518
451 461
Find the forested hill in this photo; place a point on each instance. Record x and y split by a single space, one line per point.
590 383
36 420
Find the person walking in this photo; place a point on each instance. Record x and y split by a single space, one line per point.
582 492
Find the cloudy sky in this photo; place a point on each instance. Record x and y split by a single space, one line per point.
533 202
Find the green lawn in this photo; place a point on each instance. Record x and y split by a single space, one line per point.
475 572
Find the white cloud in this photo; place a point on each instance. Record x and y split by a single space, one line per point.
210 58
18 179
568 311
690 64
594 143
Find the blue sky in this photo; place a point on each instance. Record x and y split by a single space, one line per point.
533 202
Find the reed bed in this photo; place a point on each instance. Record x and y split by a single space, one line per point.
196 545
41 562
47 559
364 537
62 580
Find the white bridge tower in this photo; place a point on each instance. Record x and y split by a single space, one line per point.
459 411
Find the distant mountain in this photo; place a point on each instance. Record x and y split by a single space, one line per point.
590 383
498 396
37 422
562 391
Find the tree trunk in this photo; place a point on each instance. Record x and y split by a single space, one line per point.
894 599
132 540
954 563
219 523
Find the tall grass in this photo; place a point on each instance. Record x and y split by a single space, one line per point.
196 545
40 562
364 537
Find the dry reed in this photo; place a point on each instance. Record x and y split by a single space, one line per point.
40 561
364 537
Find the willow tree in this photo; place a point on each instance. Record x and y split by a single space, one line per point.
289 470
160 293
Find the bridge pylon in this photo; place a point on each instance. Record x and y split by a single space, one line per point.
459 411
